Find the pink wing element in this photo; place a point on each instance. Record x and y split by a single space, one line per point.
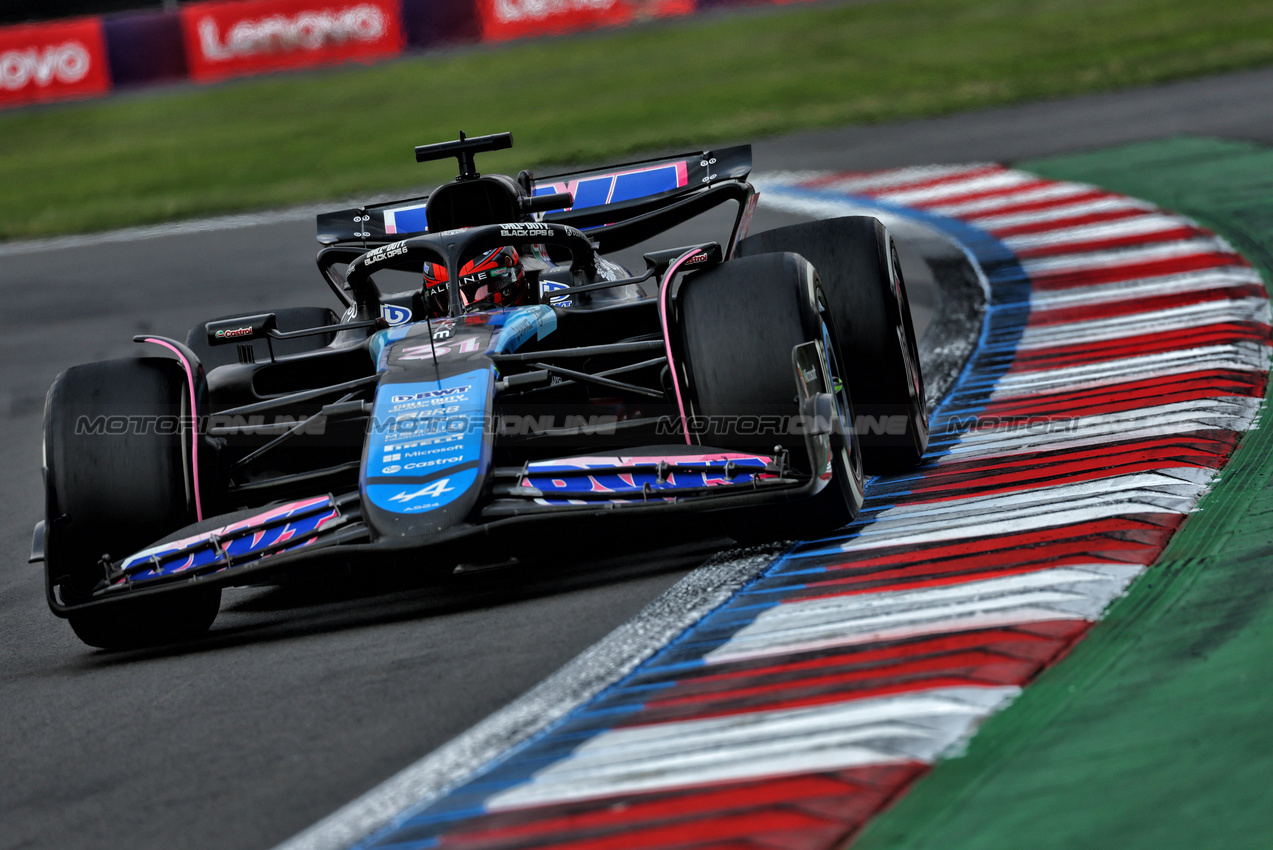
194 432
587 462
664 289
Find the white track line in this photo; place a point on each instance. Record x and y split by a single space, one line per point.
160 231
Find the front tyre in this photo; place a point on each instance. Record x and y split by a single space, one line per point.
857 261
739 323
118 477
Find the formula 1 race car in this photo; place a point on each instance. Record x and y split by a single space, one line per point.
496 388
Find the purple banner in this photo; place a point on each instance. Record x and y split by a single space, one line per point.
145 47
427 23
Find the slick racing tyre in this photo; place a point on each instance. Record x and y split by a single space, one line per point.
856 260
289 319
738 325
117 450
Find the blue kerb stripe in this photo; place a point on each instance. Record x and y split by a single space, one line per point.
422 844
1006 313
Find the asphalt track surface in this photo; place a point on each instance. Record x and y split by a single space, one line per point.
301 700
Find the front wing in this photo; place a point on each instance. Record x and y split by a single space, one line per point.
686 492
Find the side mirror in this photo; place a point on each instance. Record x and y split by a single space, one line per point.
240 329
658 261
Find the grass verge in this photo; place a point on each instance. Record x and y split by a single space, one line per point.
257 143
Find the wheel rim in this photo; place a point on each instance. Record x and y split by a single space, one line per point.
850 454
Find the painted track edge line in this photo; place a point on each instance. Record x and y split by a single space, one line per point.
961 318
211 224
158 231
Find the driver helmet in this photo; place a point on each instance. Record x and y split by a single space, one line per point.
492 279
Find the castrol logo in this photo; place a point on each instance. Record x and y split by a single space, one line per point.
64 63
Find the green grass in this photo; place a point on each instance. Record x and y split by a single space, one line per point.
258 143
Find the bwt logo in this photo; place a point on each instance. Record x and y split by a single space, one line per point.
449 391
65 63
280 33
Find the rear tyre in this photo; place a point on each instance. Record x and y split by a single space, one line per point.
117 478
856 259
738 325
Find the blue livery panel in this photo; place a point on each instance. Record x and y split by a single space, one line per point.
427 444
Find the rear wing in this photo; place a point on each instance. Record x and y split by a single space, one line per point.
609 195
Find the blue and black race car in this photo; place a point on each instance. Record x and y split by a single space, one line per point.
490 382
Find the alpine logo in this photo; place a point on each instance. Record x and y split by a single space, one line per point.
432 491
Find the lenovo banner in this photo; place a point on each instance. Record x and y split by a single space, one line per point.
53 61
226 39
507 19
